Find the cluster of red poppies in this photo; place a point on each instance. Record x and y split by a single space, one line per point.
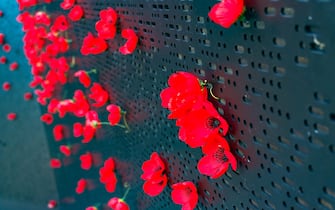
45 42
155 176
199 122
106 29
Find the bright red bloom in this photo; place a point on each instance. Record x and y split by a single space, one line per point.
132 39
58 132
217 157
107 175
184 94
154 175
83 77
42 17
26 3
28 96
47 118
105 29
226 12
91 125
152 168
6 86
2 38
60 24
1 13
6 47
81 186
80 105
199 124
13 66
52 204
86 161
11 116
77 129
117 204
55 163
114 116
3 59
185 194
99 95
66 150
108 15
93 45
67 4
76 13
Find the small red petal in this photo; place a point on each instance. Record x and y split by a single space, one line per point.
6 47
13 66
3 59
11 116
66 150
6 86
52 204
55 163
81 186
47 118
28 96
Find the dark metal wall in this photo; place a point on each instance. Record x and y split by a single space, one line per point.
274 75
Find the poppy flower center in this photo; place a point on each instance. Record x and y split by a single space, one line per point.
220 155
213 122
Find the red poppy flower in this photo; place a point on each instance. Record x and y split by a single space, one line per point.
47 118
91 124
184 94
76 13
52 204
11 116
91 208
185 194
28 96
130 45
114 116
2 38
106 30
81 186
99 95
86 161
93 45
80 105
26 3
77 129
108 15
155 186
42 18
66 150
13 66
154 175
152 168
107 175
117 204
6 47
58 132
226 12
67 4
198 124
6 86
60 24
64 107
3 59
55 163
83 77
217 157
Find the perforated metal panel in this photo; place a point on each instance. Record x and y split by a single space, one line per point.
274 75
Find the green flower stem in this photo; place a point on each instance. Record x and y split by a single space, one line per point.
125 121
125 194
107 123
92 71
